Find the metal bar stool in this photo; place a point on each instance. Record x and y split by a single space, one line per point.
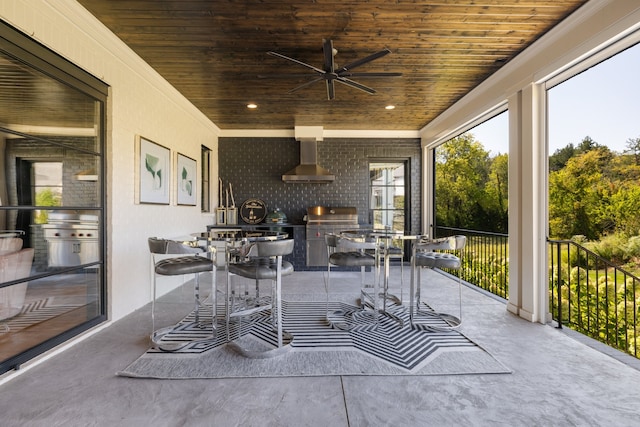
426 253
190 262
263 261
348 252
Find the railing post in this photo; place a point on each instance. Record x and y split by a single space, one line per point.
558 275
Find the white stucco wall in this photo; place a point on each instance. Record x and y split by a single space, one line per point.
140 103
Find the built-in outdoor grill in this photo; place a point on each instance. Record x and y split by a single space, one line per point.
72 238
322 220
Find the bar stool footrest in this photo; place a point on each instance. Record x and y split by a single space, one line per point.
390 297
339 319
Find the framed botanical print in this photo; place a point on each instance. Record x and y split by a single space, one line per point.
153 170
186 180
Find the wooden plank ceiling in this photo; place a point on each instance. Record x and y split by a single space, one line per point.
213 52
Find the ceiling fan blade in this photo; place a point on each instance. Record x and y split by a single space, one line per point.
285 76
355 85
364 60
369 75
327 50
309 83
311 67
331 89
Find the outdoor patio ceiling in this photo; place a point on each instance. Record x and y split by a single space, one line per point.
213 52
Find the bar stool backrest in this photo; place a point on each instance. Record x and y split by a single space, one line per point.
452 243
331 241
163 246
271 248
350 244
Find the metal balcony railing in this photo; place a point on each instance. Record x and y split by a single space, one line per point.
485 259
587 293
593 296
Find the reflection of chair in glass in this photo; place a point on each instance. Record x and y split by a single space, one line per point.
352 252
15 263
429 253
189 262
261 260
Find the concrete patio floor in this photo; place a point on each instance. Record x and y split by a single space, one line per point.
557 379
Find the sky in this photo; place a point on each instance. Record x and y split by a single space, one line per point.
603 103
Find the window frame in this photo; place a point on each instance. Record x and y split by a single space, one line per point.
32 54
205 164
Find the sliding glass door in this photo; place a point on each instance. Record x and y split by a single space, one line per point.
52 219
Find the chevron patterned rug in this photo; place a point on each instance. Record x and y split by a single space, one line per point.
318 349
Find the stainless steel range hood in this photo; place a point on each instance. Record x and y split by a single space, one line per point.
308 171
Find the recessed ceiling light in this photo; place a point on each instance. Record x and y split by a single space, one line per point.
252 106
389 107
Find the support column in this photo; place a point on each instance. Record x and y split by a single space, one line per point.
428 191
528 205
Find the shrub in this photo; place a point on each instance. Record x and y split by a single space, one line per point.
632 247
611 247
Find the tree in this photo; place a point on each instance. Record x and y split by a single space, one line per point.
46 197
624 208
560 157
633 147
497 192
579 195
587 144
462 169
624 170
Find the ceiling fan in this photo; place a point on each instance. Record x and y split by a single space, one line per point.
330 74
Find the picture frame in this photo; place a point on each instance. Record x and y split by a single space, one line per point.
186 180
153 172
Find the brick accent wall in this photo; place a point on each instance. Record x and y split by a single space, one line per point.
254 166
